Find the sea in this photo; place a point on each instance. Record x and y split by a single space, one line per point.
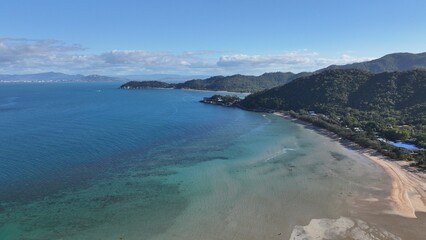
92 161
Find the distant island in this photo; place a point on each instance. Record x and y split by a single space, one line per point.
366 108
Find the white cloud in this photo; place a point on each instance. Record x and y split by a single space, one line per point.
343 59
27 55
290 61
146 58
261 60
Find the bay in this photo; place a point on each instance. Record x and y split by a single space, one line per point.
91 161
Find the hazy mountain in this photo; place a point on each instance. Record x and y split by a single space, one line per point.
56 77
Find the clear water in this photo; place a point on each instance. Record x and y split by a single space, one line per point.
90 161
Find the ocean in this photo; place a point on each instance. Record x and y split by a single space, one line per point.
91 161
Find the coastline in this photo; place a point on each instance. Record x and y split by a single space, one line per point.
218 91
190 89
408 186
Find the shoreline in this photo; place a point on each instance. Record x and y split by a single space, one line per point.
408 184
189 89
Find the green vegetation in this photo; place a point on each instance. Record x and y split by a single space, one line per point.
359 106
241 83
234 83
222 100
146 84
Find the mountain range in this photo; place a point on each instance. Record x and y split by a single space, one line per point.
243 83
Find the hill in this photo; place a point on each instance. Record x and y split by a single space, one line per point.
389 63
341 88
234 83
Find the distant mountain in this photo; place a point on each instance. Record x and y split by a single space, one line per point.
389 63
169 78
56 77
100 78
234 83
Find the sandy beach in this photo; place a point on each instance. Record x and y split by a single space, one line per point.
408 190
408 194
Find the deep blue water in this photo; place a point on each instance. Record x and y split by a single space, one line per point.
59 135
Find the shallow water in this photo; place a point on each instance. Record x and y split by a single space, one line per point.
90 161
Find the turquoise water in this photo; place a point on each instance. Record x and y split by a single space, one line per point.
90 161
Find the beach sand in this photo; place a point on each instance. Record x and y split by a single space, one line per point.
408 194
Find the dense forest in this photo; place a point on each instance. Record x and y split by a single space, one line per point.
234 83
358 105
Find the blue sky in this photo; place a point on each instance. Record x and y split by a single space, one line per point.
203 37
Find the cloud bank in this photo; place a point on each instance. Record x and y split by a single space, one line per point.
29 56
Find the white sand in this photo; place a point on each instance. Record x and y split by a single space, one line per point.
341 228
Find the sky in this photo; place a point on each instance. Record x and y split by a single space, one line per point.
203 37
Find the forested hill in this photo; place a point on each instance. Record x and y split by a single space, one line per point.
234 83
342 88
389 63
